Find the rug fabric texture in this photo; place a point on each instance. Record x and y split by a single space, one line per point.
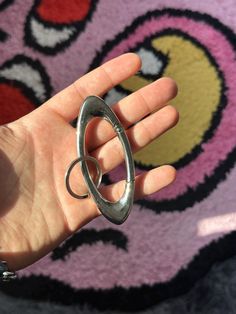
180 241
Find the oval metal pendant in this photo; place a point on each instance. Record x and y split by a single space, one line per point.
116 212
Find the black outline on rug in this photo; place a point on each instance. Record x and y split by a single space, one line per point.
3 35
60 47
5 4
43 288
28 92
191 196
139 298
90 236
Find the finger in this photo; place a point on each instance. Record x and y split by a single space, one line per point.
145 184
132 109
139 136
97 82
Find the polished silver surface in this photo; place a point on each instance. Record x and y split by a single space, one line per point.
116 212
71 166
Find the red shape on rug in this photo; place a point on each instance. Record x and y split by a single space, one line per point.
13 104
63 12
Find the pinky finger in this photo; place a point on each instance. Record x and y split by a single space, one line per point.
145 183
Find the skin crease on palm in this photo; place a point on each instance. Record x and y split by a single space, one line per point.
37 212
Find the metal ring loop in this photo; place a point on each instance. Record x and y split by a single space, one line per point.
116 212
71 166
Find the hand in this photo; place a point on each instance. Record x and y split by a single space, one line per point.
37 212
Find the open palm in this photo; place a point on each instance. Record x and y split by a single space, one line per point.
37 212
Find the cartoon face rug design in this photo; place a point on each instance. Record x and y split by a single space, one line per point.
173 237
52 25
24 85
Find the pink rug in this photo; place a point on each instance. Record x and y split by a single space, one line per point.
173 237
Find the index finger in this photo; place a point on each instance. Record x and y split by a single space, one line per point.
97 82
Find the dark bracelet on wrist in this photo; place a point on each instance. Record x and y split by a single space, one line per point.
5 274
